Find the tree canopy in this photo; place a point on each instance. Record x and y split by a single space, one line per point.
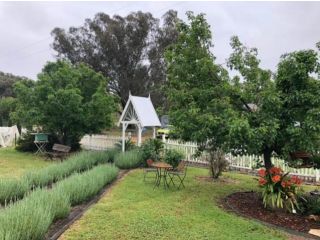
256 112
127 50
67 100
197 87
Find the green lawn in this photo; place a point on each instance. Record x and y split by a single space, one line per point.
14 163
133 210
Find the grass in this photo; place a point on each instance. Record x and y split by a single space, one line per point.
14 163
133 210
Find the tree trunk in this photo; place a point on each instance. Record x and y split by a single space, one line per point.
267 158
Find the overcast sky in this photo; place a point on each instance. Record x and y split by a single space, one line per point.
273 27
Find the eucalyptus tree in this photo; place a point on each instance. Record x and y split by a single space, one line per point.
127 50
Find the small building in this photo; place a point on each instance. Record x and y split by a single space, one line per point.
140 112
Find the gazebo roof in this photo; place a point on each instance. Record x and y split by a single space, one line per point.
140 110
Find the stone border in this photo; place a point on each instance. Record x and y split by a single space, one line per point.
232 209
59 227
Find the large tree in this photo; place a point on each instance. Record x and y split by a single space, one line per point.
278 115
198 89
127 50
7 81
67 101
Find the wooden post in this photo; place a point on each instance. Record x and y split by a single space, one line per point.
154 132
123 136
139 135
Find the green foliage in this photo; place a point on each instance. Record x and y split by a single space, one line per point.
81 187
15 189
152 149
129 159
173 157
65 101
26 143
128 145
124 50
7 106
7 81
30 218
198 89
309 204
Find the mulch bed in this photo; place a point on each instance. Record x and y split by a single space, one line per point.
249 204
60 226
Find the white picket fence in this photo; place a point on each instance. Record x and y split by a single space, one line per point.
241 162
189 149
99 141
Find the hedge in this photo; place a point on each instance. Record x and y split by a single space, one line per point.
14 189
30 218
129 159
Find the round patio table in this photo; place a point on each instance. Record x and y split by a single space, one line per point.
162 168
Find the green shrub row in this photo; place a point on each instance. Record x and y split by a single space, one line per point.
30 218
129 159
14 189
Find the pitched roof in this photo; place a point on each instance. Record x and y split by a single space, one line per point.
140 109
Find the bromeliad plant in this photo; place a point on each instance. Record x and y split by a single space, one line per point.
279 190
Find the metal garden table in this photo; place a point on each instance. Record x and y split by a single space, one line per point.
162 174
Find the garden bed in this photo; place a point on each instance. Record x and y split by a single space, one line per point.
249 204
60 226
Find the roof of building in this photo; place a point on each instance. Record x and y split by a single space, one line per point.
140 110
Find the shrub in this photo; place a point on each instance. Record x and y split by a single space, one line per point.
30 218
130 159
279 189
309 204
128 145
152 149
173 157
217 163
12 190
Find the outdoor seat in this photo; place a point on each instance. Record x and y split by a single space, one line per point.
179 173
149 169
58 151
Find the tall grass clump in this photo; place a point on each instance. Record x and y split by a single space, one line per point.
30 218
128 160
11 190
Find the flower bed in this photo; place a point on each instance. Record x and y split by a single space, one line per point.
30 218
14 189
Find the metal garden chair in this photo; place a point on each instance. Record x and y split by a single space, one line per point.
180 173
149 169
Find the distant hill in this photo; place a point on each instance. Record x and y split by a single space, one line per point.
6 84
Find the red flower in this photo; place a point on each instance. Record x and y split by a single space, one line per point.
286 183
275 170
262 172
296 180
276 178
262 181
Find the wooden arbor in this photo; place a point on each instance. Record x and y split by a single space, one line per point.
140 112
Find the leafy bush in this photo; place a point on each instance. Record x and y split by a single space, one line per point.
173 157
278 189
30 218
130 159
152 149
12 190
309 204
128 145
26 143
